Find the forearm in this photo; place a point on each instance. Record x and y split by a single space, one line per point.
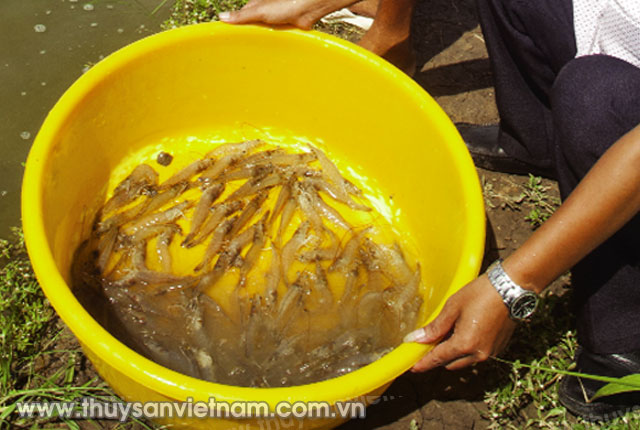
606 199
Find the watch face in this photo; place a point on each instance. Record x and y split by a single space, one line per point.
524 306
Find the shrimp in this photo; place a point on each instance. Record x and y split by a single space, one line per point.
249 211
252 334
326 253
259 240
162 246
284 161
218 213
329 213
283 197
187 172
333 174
142 180
228 256
235 246
348 256
245 173
168 216
306 205
148 232
389 260
330 189
151 204
214 171
105 248
217 241
369 308
322 287
239 148
162 283
293 245
272 280
398 296
138 256
256 185
201 211
161 199
287 213
288 306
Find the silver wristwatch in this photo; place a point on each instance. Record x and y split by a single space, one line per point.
520 302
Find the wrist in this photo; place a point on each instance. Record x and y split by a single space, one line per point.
522 275
521 303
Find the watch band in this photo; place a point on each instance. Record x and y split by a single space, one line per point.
520 302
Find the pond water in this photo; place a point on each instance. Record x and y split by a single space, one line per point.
44 47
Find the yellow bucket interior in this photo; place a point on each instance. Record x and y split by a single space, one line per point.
183 89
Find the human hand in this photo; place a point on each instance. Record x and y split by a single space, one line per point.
478 323
388 37
299 13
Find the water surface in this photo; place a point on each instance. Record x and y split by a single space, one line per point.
44 47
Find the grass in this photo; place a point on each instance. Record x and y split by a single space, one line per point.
21 327
187 12
39 360
526 396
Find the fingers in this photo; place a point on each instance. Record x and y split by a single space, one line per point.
473 324
276 12
245 15
467 360
438 328
255 15
453 354
462 362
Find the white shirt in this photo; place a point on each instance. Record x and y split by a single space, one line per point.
610 27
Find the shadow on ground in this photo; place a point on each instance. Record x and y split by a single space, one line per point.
442 399
453 65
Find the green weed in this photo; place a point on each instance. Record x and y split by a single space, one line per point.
39 360
542 350
25 316
536 195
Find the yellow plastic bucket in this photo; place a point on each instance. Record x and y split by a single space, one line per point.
216 76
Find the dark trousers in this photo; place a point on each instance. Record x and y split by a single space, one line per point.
561 112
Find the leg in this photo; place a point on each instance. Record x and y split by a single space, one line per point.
365 8
528 43
595 100
389 36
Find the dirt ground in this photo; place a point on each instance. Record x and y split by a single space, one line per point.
454 69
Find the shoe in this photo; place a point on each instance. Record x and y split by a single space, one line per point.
574 392
486 152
